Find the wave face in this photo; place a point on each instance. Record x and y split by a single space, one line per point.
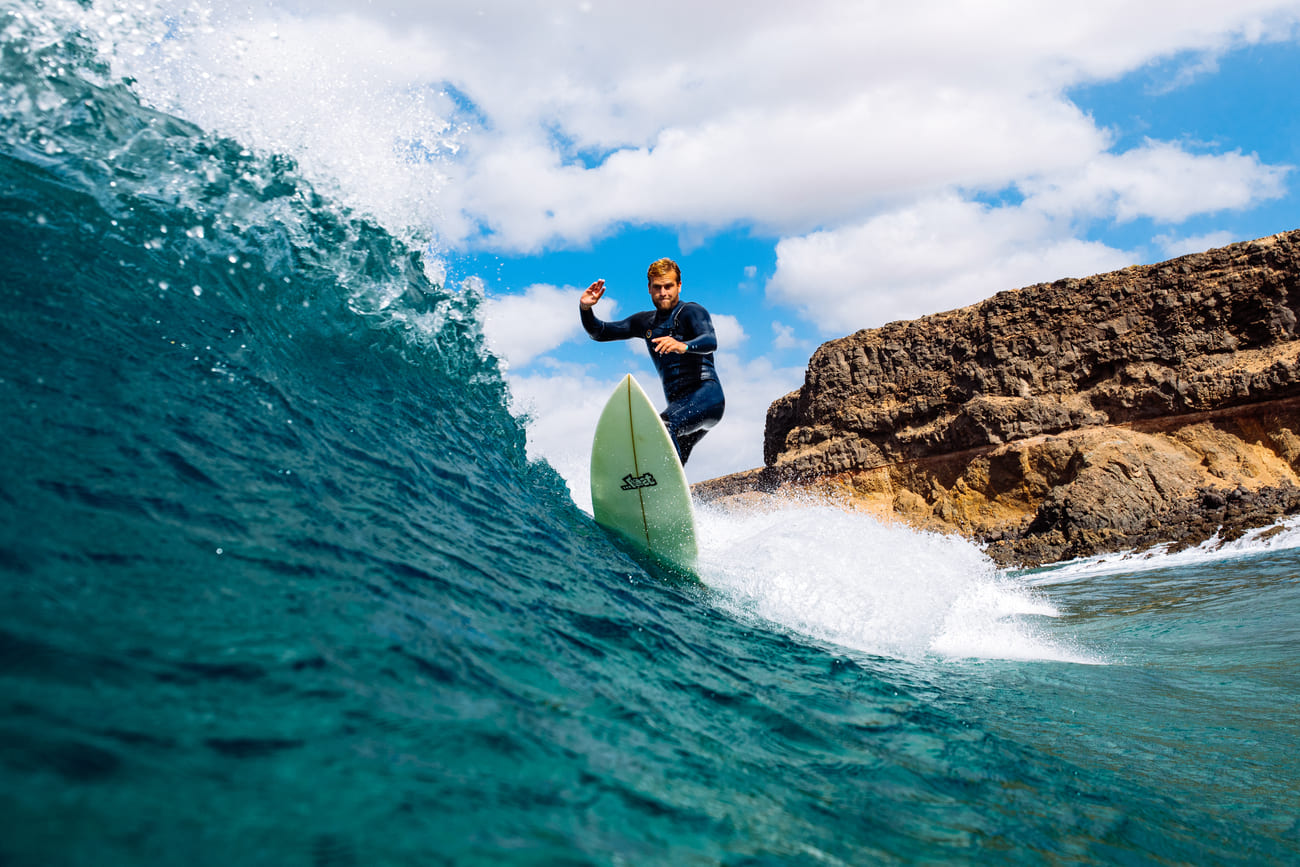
280 584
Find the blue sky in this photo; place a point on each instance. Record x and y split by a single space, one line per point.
815 168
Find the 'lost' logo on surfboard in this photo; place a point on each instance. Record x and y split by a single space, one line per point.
633 483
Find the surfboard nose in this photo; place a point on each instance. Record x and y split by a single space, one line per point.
638 486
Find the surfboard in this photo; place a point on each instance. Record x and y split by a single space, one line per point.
638 486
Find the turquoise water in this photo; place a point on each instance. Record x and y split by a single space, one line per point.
282 585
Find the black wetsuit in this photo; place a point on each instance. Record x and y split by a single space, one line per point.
691 386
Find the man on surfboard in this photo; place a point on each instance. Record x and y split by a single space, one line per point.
679 335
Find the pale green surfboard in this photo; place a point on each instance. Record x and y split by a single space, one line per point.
638 487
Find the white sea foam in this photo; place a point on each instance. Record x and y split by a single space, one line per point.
1283 535
846 578
332 94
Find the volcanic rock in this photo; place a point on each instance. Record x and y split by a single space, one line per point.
1159 404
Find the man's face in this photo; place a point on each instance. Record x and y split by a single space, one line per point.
664 291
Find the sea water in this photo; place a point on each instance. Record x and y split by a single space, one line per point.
280 583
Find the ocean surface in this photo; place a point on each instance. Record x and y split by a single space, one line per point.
280 583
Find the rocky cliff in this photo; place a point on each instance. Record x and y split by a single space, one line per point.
1155 404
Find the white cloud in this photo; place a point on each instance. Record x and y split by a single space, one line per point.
946 251
731 334
783 336
1176 245
791 118
1159 180
938 254
784 169
818 117
521 327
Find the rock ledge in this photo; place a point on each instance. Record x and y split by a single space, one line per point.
1157 404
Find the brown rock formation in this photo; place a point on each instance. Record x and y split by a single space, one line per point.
1155 404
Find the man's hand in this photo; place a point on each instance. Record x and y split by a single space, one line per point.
591 295
667 344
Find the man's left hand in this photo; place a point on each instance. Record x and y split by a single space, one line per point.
667 344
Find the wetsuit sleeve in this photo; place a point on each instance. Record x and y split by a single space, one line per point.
695 321
623 329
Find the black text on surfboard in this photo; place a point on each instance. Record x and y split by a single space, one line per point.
632 483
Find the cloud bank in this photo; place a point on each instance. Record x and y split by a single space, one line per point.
863 132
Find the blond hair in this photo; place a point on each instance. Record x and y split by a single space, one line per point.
661 268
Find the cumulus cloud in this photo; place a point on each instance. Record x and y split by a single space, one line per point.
520 327
1178 245
938 254
946 251
783 337
790 118
1160 180
731 333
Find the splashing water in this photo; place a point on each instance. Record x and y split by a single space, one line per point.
847 579
281 585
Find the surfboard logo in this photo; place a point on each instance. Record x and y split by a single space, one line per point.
634 483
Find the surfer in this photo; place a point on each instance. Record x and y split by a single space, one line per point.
679 335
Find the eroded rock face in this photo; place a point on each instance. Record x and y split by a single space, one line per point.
1153 404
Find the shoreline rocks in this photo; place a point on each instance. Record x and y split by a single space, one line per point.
1154 405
